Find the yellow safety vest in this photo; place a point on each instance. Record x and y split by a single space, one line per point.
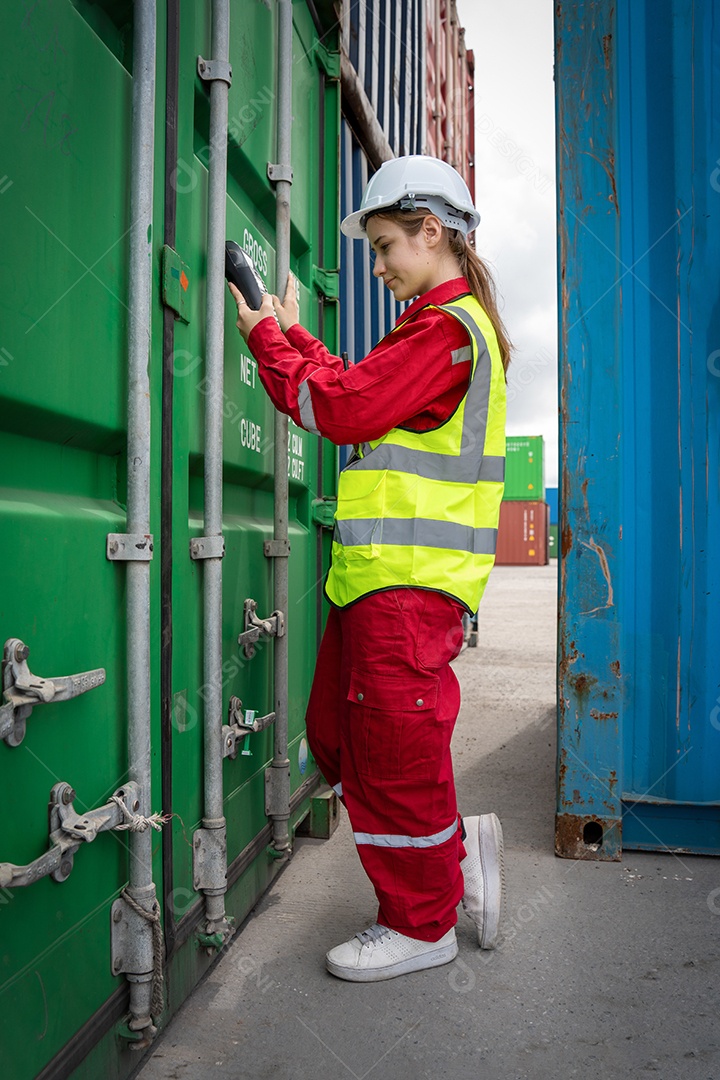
421 509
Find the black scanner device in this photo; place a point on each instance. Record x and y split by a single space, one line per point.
240 270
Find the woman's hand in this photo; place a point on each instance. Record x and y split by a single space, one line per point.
288 312
247 318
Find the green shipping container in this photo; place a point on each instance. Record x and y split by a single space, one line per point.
525 468
553 542
77 574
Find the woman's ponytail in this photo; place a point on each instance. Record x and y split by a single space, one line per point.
472 267
482 287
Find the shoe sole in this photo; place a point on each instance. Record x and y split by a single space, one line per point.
402 967
492 859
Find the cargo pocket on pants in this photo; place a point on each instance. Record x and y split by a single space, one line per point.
394 732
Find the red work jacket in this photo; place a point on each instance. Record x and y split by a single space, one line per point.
415 377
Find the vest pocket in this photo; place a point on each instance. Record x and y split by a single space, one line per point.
393 731
357 521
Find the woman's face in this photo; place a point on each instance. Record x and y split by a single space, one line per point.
403 262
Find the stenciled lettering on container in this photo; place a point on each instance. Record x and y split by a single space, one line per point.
296 462
256 251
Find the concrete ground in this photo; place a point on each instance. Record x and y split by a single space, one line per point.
607 970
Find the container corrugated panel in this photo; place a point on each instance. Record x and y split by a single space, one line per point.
524 467
639 229
522 538
385 44
65 210
368 309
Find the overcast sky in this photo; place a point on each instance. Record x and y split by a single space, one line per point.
515 194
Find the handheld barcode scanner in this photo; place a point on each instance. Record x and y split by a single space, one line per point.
240 270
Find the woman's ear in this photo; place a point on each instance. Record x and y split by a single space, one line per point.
432 230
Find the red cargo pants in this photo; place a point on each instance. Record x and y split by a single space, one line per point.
380 718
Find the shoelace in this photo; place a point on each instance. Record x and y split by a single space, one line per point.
374 934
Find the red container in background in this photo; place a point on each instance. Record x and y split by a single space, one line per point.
449 90
523 534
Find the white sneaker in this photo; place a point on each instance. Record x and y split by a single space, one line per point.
380 953
484 873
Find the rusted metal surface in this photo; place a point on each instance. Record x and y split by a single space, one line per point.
604 837
639 277
590 696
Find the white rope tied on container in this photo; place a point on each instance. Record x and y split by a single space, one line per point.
138 822
153 917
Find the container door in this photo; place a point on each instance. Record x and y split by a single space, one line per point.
639 583
67 90
64 205
248 451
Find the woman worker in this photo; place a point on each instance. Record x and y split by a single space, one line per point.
414 542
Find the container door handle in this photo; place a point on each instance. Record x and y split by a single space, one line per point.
22 690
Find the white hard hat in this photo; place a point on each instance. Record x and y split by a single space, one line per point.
416 182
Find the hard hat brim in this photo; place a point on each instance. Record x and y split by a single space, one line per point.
351 226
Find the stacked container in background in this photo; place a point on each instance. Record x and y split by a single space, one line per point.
407 88
449 114
523 531
551 498
524 467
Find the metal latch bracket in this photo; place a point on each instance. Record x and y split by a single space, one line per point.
211 70
279 172
129 547
207 547
274 626
276 549
22 690
68 831
241 723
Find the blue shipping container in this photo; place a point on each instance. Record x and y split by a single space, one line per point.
551 498
385 44
639 256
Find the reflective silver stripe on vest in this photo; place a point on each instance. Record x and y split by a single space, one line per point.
432 466
395 841
307 413
461 356
415 532
337 788
470 465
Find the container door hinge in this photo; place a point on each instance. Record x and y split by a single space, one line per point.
323 511
241 723
215 942
328 60
274 626
326 282
210 70
129 547
175 282
69 830
22 690
279 172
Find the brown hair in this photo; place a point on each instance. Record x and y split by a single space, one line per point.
472 267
